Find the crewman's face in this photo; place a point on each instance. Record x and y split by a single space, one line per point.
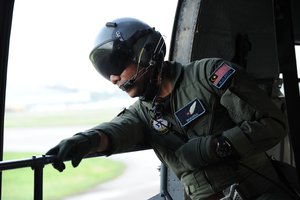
126 75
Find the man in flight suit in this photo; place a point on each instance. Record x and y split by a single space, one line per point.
207 120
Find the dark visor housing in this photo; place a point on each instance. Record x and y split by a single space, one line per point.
114 46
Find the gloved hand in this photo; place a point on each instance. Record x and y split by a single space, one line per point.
198 152
74 148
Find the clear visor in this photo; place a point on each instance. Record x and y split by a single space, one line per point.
108 60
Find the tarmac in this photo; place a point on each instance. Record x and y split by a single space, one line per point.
140 180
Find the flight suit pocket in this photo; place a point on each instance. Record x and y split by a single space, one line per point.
196 185
221 176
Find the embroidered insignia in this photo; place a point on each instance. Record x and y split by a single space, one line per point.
161 125
119 35
192 108
190 112
221 75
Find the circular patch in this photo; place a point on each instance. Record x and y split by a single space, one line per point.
160 125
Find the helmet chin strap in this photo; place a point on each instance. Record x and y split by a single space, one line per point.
131 82
154 86
155 63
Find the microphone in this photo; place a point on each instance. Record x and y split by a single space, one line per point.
139 73
129 83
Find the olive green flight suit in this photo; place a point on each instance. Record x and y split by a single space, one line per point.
237 109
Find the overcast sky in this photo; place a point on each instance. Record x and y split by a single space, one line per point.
51 39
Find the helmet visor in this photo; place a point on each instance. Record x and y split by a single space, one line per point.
108 60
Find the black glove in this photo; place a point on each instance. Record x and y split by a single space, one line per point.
74 148
198 152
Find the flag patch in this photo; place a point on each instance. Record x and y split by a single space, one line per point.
221 75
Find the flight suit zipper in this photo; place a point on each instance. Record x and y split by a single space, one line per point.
212 116
181 131
210 129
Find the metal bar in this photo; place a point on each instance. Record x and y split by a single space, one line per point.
38 183
164 182
6 10
288 67
38 165
35 161
30 162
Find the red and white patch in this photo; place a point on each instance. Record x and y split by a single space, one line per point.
221 75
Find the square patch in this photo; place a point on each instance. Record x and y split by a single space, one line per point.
221 75
190 112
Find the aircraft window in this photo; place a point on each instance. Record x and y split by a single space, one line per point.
53 91
297 49
297 53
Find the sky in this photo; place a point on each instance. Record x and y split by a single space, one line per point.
51 41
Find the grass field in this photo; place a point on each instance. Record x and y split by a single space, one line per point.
59 118
18 184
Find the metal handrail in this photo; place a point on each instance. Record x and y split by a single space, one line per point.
37 164
33 162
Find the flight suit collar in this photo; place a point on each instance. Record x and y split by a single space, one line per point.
176 70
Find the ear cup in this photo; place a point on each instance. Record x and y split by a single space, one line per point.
149 49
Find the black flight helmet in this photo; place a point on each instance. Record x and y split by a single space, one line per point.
124 41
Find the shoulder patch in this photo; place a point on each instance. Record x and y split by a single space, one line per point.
221 75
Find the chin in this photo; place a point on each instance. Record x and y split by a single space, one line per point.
132 96
132 93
